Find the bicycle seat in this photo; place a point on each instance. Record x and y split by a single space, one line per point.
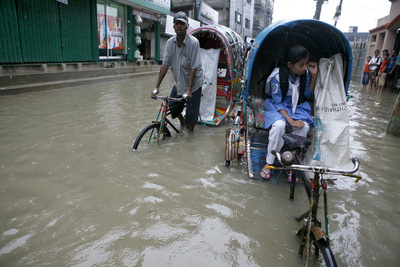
296 141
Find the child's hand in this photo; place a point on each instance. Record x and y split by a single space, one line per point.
313 68
300 124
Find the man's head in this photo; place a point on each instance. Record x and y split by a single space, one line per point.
181 23
376 52
181 17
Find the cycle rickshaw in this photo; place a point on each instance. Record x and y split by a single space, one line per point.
249 139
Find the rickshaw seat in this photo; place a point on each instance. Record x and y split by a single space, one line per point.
295 141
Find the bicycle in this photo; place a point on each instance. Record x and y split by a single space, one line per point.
311 231
158 130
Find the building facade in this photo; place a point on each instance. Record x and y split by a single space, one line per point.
356 37
67 31
263 11
241 15
235 14
387 33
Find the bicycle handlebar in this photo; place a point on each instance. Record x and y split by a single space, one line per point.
155 96
317 169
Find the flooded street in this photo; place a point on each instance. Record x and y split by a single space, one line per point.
72 192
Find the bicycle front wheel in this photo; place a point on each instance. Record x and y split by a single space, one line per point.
147 136
323 247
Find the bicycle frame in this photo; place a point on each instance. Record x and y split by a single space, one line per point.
163 113
160 124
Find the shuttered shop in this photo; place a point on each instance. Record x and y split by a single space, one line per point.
46 31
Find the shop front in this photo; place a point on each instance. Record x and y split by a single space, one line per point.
147 34
130 29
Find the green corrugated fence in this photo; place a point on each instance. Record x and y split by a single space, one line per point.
35 31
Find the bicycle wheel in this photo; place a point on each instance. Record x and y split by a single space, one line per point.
323 246
146 137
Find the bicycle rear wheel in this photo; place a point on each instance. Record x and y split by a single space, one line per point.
147 137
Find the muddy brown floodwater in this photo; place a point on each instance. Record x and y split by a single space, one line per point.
72 193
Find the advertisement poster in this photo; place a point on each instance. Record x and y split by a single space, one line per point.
110 29
102 31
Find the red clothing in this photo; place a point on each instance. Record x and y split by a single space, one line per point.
366 67
384 63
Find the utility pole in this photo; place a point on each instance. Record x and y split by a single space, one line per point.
195 10
338 12
318 9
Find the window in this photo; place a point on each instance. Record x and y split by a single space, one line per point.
238 17
247 24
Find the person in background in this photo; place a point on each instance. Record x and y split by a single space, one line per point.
288 88
382 72
182 53
391 70
365 77
385 51
374 63
248 49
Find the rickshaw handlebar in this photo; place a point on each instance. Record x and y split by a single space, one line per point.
318 169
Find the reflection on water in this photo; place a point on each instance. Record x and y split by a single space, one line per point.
73 193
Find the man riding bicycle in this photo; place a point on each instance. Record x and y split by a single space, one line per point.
182 53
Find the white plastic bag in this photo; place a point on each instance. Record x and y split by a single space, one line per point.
330 147
209 59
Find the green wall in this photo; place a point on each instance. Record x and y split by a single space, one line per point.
35 31
10 46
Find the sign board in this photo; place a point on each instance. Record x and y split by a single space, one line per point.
207 14
157 7
161 3
169 26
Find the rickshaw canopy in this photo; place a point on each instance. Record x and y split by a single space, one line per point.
322 40
231 43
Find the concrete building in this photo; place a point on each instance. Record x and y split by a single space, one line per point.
386 34
356 37
263 10
358 42
235 14
241 18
